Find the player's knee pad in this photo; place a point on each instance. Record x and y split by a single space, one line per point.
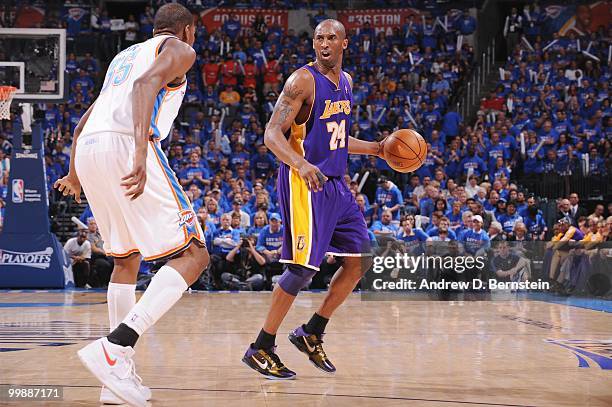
295 278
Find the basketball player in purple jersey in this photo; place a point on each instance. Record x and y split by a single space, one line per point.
308 133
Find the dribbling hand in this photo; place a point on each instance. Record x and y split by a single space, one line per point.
135 181
313 176
381 149
69 185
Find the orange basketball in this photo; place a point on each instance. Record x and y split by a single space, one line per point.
405 150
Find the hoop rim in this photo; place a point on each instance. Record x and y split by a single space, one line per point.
6 92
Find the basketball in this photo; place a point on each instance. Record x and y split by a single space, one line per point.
405 150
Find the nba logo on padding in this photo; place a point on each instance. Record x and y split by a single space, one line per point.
18 191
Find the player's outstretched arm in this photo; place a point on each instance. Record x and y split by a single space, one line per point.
356 146
297 90
172 63
70 184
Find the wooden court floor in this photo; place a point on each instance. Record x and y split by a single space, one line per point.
392 353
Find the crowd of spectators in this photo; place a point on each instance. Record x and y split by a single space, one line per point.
551 107
555 99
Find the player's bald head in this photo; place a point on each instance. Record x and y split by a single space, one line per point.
331 25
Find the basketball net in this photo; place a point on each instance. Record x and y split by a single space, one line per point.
6 97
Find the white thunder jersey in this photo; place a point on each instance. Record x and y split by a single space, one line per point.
112 112
161 222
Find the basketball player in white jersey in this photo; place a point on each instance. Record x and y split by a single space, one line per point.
134 195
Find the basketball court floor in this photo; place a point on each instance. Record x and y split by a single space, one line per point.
388 353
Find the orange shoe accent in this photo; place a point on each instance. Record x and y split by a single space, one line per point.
108 358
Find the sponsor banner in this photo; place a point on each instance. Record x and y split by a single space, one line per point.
30 17
214 18
37 259
384 20
26 154
33 261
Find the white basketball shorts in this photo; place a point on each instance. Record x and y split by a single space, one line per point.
159 224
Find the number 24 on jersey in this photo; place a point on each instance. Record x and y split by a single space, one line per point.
338 134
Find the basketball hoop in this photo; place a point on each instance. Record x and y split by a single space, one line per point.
6 97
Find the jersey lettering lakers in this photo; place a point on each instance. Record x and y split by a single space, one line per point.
323 138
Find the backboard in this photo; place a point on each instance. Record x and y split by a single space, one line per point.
34 61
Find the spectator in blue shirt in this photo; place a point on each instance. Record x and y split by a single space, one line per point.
74 19
270 240
534 161
499 170
260 221
72 65
262 164
534 222
207 226
232 26
427 202
451 124
367 212
549 135
597 165
225 238
388 196
466 24
194 172
476 240
474 162
193 94
87 84
384 226
510 218
90 65
412 238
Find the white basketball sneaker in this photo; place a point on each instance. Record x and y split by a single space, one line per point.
108 397
113 366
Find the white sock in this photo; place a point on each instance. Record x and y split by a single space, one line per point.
165 290
120 299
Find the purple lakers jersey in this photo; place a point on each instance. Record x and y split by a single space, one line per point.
323 138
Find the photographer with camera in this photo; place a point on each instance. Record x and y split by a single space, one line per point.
244 267
269 244
225 239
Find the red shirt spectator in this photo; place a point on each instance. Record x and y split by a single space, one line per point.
493 102
271 73
210 73
229 71
250 74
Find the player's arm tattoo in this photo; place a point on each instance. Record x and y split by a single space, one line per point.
292 91
284 110
284 107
